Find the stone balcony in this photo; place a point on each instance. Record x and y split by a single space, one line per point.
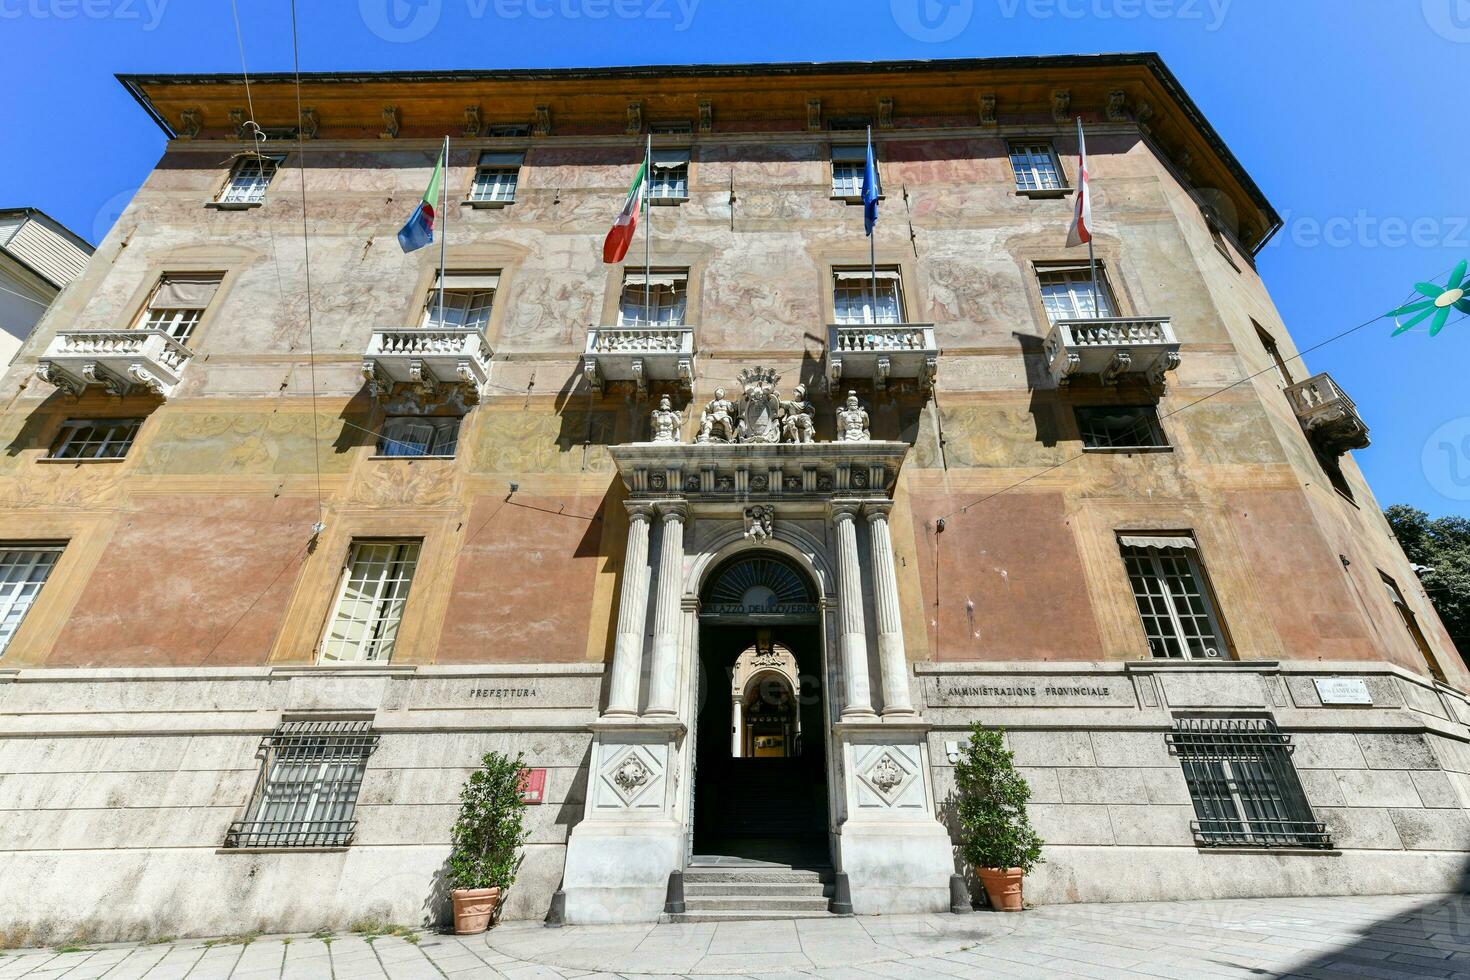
1112 349
1328 415
427 358
115 360
879 351
639 354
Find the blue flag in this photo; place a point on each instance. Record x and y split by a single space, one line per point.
871 190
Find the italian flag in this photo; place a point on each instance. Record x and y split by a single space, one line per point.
620 236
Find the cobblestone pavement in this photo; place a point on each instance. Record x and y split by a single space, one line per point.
1387 937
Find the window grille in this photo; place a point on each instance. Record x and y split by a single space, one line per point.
659 299
1035 165
1245 789
469 298
22 573
178 303
670 177
416 435
375 584
496 177
1067 294
95 438
1120 427
848 165
248 181
310 775
1173 602
852 296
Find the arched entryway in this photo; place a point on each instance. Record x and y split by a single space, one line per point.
760 790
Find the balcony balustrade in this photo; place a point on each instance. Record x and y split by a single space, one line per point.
1112 348
1328 415
115 360
639 354
880 351
427 358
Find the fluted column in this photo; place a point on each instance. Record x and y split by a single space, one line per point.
663 680
632 614
891 660
853 631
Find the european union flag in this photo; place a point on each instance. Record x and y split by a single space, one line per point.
871 190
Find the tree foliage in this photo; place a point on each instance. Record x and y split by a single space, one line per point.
1442 547
990 804
490 830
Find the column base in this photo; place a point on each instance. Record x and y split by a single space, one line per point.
896 868
620 873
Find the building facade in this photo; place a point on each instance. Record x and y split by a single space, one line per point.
39 257
733 544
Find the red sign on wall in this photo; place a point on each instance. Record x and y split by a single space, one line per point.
533 785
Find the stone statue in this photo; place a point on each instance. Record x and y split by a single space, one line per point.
717 422
760 406
665 422
796 417
852 421
759 523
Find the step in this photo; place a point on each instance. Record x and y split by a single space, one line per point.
776 889
755 902
696 874
761 916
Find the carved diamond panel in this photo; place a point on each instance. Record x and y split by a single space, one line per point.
887 778
631 777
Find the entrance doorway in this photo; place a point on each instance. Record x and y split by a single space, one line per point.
760 791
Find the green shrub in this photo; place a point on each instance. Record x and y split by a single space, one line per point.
990 804
490 829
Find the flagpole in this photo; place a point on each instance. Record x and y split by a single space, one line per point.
648 230
1091 257
444 235
872 240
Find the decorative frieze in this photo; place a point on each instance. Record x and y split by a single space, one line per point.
712 471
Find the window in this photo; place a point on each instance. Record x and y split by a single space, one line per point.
1245 790
248 181
178 303
1120 427
1268 343
670 178
848 164
1332 469
681 128
1036 167
1411 623
1173 600
496 178
22 573
657 299
1067 293
95 438
417 435
310 774
468 299
375 584
854 296
509 131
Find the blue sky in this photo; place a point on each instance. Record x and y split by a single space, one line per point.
1349 114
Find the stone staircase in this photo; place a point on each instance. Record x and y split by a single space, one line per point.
735 892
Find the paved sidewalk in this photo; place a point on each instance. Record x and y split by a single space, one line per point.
1387 937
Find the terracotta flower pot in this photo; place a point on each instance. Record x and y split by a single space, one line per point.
1003 888
473 908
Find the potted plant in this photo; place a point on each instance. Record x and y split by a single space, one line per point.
486 839
995 833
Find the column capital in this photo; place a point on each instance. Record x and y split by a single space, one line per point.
877 510
848 509
673 510
639 510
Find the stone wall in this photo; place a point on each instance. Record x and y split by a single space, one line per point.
117 788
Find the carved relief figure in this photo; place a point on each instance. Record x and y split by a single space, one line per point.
852 421
796 417
760 408
717 422
665 422
759 521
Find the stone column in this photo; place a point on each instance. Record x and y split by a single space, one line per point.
736 740
853 630
663 680
891 660
632 615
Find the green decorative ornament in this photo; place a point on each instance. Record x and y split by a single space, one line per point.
1441 302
